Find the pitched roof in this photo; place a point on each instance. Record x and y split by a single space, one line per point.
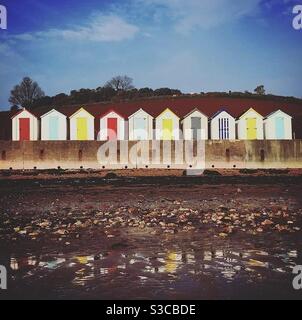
181 106
17 112
140 110
218 112
167 110
109 111
194 110
51 111
246 111
79 110
279 110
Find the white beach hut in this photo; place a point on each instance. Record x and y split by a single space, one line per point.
25 126
53 126
140 126
223 126
112 126
195 126
278 126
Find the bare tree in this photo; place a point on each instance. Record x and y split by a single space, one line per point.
25 93
260 90
120 83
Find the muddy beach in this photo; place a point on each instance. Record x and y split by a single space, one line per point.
215 237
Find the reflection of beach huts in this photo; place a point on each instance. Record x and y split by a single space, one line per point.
140 126
112 126
250 125
53 126
172 262
81 125
278 126
167 126
223 126
25 126
195 126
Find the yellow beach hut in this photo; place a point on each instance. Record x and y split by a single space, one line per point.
81 125
250 126
167 126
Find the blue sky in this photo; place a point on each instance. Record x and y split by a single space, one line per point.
192 45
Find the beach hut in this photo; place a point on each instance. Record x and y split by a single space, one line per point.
167 126
250 125
195 126
223 126
112 126
81 125
25 126
140 126
53 126
278 126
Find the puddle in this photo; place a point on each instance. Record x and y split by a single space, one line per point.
127 274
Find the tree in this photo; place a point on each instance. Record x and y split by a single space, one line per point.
14 108
260 90
145 92
25 93
120 83
166 92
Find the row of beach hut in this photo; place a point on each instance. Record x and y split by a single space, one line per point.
140 125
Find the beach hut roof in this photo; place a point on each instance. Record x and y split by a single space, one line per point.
194 110
274 112
246 111
167 110
139 110
17 112
220 111
182 106
109 111
51 111
79 110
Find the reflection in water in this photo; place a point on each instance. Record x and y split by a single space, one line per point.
84 259
53 264
172 262
147 267
22 263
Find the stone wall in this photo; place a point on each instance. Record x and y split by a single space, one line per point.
211 154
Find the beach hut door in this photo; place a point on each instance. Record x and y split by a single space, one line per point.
224 128
280 128
196 128
140 129
112 128
167 129
251 127
81 128
24 127
53 128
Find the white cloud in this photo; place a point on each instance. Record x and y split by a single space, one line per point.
190 14
101 28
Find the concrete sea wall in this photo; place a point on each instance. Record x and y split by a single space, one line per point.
267 154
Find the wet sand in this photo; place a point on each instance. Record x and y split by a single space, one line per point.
213 237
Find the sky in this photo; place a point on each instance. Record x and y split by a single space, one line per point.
191 45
